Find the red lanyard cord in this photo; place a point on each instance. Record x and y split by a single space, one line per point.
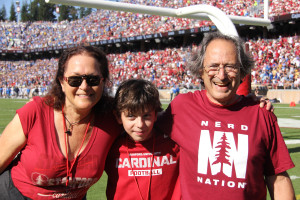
150 176
67 142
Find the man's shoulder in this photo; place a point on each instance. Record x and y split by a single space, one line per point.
190 95
250 104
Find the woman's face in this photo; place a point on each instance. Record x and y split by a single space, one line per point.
83 97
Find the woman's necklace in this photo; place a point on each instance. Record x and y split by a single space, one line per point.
150 175
67 142
71 124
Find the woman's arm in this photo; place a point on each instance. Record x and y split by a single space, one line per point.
12 141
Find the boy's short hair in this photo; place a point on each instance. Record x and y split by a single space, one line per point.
137 95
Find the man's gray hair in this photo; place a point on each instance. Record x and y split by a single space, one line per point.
244 61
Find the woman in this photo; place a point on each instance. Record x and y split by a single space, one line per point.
63 138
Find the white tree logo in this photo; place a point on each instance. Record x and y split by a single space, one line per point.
39 179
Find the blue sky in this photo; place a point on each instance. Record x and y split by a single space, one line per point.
7 4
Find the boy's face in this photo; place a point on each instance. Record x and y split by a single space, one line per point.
138 125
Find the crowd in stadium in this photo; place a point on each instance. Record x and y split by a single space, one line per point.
277 66
104 24
277 60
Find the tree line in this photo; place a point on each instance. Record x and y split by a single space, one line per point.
39 10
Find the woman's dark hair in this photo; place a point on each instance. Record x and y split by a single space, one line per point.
56 97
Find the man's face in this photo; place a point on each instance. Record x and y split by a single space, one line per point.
221 74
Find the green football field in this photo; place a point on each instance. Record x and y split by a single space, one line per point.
97 192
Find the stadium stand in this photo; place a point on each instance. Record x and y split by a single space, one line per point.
105 25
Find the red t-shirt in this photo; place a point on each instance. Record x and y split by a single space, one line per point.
121 182
40 171
225 152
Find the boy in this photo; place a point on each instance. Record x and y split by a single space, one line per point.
142 164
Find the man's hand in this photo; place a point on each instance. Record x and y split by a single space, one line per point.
264 102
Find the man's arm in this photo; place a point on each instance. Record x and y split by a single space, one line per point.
280 187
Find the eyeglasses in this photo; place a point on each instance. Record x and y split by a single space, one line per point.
76 81
230 70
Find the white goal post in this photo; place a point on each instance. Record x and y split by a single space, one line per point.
223 22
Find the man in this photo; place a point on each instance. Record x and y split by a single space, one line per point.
172 92
230 148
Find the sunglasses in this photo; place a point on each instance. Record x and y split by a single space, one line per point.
76 81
